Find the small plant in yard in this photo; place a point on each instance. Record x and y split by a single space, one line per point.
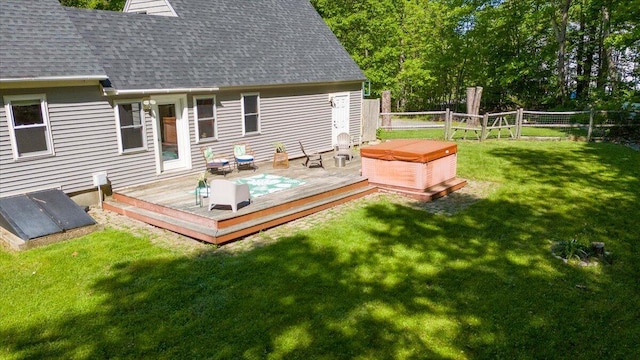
571 249
379 132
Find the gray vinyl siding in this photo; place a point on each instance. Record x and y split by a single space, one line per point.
151 7
355 112
85 133
289 115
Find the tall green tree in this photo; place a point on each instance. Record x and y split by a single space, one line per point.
531 53
115 5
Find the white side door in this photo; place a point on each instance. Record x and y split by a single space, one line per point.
339 115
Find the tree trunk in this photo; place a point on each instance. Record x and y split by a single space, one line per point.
612 72
603 66
560 28
580 56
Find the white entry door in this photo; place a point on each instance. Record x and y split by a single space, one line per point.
339 115
171 133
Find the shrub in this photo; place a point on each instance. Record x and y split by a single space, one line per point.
571 249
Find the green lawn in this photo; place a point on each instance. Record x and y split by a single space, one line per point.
383 281
438 133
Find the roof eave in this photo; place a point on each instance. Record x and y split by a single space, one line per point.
113 91
54 78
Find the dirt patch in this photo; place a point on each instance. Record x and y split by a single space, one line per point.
449 205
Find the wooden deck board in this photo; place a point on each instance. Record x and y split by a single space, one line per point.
171 205
175 193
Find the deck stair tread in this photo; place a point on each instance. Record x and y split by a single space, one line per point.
208 232
427 194
132 209
299 209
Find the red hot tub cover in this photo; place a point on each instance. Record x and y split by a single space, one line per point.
410 150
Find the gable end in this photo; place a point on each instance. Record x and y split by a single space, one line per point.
151 7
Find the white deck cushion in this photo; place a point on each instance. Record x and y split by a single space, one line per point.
243 158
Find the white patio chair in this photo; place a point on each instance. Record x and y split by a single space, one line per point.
343 148
243 156
225 192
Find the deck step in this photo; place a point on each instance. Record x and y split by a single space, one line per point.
250 227
428 194
187 228
202 230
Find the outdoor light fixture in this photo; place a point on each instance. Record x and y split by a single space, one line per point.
331 102
147 103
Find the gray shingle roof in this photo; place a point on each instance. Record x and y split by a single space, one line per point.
37 40
219 43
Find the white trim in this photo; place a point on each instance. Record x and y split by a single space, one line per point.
54 78
159 91
259 120
116 111
44 110
182 129
225 88
196 119
127 5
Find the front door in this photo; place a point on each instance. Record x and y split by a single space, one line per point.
172 134
339 115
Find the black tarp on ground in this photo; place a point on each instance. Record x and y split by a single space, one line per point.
41 213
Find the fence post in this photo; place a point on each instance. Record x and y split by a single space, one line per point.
590 126
447 124
386 108
519 116
485 123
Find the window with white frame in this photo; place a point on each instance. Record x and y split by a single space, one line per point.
251 113
130 120
205 115
30 131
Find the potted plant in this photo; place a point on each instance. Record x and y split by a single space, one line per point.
202 189
202 179
280 147
280 157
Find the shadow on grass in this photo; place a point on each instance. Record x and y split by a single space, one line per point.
386 281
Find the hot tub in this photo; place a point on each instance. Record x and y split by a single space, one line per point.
414 165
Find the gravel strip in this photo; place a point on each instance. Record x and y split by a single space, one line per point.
449 205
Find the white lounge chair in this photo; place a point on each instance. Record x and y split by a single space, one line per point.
224 192
343 147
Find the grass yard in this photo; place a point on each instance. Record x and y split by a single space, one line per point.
382 281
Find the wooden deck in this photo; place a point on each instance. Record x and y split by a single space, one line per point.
171 204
